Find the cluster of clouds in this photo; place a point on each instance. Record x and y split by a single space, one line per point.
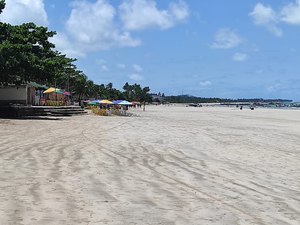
144 14
226 38
266 16
135 70
205 84
20 11
99 25
136 75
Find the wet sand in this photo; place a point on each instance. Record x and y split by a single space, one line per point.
170 165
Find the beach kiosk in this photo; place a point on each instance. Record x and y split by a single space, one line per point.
24 94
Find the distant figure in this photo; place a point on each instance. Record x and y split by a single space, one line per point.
252 108
241 108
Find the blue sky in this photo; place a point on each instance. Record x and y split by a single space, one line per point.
209 48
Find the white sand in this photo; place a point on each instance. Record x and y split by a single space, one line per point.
171 165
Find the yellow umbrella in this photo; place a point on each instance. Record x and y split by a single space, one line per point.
105 101
53 90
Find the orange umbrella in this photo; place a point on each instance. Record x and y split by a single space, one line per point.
105 101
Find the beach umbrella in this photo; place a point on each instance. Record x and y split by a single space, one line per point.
105 101
124 102
67 93
53 90
135 103
116 102
94 102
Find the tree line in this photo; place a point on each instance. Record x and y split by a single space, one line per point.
26 55
193 99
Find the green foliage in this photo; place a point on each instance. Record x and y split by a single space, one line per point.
84 88
193 99
136 93
2 5
26 54
99 112
189 99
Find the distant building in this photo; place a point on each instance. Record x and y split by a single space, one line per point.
24 94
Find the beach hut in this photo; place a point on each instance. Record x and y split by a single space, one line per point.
24 94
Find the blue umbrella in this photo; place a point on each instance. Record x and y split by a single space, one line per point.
94 102
124 102
116 102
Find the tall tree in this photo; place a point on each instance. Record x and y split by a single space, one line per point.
2 5
136 93
26 54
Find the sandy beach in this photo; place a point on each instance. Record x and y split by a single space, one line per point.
170 165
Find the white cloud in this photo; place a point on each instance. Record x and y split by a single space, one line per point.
101 61
92 27
266 17
275 87
95 26
259 71
136 77
104 68
23 11
205 83
102 64
179 11
137 68
239 57
291 13
263 15
142 14
121 66
226 38
63 44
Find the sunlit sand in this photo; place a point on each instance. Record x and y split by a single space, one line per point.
170 165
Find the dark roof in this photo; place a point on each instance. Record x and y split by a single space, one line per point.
38 86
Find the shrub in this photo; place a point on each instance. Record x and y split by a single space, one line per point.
99 112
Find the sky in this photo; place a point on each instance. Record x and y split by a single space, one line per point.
207 48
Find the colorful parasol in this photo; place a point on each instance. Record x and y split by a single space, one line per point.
53 90
124 103
105 101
